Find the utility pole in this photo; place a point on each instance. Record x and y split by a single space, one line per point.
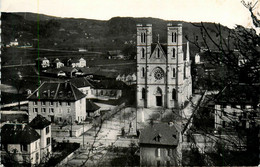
83 136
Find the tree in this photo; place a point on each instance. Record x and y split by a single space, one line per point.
235 54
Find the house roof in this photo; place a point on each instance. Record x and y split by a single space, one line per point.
39 122
68 69
57 91
159 134
81 82
56 60
240 94
91 70
108 84
17 134
90 106
53 71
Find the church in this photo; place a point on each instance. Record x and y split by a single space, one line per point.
163 69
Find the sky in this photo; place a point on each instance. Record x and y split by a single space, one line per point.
226 12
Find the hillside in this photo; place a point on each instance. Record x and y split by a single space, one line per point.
93 35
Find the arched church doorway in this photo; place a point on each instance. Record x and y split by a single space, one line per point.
158 97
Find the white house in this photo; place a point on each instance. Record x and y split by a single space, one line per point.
58 101
22 142
43 128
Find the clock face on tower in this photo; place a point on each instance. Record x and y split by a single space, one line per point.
158 74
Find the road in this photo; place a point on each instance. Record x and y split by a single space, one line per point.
107 136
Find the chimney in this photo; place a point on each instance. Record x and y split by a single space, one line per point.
23 126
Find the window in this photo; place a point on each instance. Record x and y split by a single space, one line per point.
168 163
35 103
157 152
68 103
24 147
47 130
37 156
173 73
173 53
48 140
51 103
35 110
158 53
175 37
143 93
169 152
60 103
223 124
143 53
174 94
172 37
51 110
143 72
158 163
44 110
144 36
43 103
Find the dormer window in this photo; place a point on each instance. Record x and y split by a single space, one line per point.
52 93
157 138
60 94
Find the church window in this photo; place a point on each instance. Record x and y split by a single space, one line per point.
174 94
144 37
158 53
143 93
172 37
143 52
173 73
143 72
175 37
184 71
173 53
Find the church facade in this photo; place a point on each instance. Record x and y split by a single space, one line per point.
163 69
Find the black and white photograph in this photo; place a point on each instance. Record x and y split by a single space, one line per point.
156 83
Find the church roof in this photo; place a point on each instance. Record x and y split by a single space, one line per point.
163 46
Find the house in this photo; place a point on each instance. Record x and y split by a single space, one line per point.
236 105
83 85
160 145
69 71
20 141
128 79
43 128
91 108
57 101
54 72
42 62
76 62
57 63
107 89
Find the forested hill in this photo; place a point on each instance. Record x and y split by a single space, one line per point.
93 35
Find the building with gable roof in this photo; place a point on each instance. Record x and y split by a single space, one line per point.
22 142
163 70
43 128
58 101
160 145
